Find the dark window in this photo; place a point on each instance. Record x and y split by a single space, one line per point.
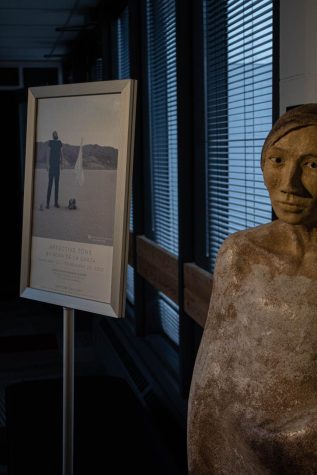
9 77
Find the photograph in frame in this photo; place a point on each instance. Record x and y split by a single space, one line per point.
77 187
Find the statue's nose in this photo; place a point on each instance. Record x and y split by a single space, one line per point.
292 179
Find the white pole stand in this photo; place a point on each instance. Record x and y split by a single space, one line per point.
68 391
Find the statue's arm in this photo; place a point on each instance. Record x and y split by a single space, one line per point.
226 283
212 443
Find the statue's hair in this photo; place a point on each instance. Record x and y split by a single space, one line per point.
293 119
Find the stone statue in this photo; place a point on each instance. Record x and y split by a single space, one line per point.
253 398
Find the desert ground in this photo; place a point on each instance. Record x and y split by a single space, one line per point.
92 222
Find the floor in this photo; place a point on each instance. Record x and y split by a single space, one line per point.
31 349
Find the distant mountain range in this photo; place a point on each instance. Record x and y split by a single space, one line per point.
95 157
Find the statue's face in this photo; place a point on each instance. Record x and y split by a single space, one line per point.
290 175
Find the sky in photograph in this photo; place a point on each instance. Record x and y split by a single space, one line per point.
94 118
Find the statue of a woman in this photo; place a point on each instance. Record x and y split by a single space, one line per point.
253 399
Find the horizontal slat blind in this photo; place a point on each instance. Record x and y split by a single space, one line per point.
122 71
239 114
98 70
249 109
161 37
216 124
162 107
168 312
120 39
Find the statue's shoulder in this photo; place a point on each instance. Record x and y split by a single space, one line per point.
252 236
248 244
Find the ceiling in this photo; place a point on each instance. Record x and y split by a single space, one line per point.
28 28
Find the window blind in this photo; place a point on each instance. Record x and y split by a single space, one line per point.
216 124
238 105
161 55
122 71
97 73
120 41
168 312
162 107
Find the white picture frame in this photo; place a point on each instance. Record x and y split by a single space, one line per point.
75 250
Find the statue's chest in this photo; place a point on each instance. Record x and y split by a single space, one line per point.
277 310
266 330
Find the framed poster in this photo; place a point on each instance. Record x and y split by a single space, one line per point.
78 175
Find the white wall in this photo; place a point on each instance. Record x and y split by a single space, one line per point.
298 52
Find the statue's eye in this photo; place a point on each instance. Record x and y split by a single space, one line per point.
311 164
276 160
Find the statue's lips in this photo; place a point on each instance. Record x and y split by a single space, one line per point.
293 205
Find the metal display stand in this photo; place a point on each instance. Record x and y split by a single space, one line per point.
45 261
68 390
